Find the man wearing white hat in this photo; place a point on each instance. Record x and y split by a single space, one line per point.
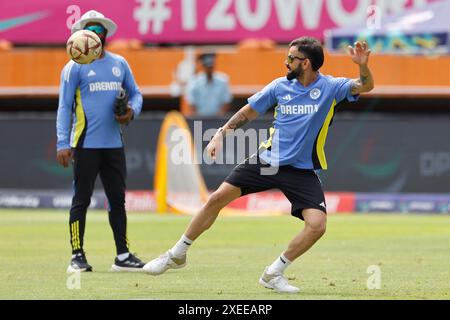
93 17
94 144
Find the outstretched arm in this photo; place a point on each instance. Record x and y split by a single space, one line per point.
360 55
240 118
244 115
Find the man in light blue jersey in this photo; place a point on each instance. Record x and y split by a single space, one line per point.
89 135
208 93
304 102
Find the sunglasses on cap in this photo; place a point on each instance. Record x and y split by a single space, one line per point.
290 58
97 29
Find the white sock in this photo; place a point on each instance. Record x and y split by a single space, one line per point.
279 265
181 247
123 256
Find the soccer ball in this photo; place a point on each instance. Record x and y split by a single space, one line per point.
84 47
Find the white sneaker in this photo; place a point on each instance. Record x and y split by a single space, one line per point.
163 263
277 282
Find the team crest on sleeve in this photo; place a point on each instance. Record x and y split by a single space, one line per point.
116 71
314 94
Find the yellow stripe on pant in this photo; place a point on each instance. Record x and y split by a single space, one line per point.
78 235
72 241
75 228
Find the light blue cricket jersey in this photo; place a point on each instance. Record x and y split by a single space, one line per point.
86 100
302 117
208 97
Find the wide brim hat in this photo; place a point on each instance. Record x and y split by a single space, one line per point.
95 16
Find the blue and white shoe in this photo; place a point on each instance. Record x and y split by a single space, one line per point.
79 263
130 264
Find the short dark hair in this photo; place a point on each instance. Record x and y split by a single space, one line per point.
312 49
207 59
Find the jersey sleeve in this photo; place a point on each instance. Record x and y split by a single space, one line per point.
68 85
130 85
264 99
343 87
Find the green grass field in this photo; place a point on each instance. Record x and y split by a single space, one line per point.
413 252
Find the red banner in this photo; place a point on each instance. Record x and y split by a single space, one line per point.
257 203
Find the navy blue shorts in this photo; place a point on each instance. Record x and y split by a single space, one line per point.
302 187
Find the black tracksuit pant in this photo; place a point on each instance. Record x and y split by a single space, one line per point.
111 165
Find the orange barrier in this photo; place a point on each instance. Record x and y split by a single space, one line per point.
42 67
248 68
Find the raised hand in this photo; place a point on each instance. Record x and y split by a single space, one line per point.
360 53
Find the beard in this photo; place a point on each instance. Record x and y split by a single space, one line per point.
292 74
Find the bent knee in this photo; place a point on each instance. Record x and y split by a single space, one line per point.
217 199
316 231
321 228
316 224
318 228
